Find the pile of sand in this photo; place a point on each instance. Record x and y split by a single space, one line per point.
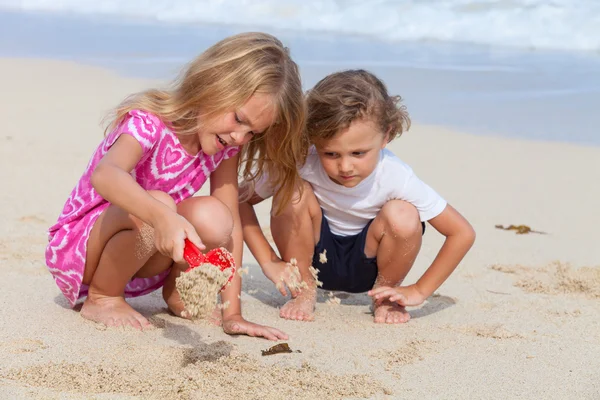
199 287
555 278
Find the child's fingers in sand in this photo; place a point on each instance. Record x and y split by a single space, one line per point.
382 292
268 333
239 326
281 287
290 280
387 293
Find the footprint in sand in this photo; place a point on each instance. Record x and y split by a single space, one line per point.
496 331
565 313
409 353
23 346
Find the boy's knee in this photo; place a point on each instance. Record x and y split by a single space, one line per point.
401 218
300 200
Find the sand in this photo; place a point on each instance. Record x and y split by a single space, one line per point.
189 373
295 281
323 257
527 329
199 287
315 274
555 278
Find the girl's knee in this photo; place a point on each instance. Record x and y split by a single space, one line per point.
401 218
211 218
164 198
160 196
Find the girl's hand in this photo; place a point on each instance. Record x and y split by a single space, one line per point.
170 230
237 325
283 276
403 295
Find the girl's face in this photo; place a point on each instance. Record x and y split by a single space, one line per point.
352 154
237 127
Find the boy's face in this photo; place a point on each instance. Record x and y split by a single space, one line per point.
352 154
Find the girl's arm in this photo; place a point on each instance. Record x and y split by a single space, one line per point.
224 186
272 266
253 234
113 181
460 236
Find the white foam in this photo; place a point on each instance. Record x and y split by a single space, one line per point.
557 24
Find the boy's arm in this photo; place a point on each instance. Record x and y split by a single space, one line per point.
459 239
460 236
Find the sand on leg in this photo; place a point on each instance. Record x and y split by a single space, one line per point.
213 222
119 247
295 232
395 238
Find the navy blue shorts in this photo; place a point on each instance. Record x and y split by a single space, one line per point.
347 268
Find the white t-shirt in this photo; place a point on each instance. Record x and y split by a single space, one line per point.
348 210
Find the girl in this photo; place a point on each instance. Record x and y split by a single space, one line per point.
121 232
361 213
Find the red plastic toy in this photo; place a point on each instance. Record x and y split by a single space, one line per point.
220 258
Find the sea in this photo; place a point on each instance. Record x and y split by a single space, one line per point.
515 68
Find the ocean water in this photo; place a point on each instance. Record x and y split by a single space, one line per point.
555 24
526 68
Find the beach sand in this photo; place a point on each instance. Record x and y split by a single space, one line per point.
520 317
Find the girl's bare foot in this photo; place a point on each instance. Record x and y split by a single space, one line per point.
390 313
301 308
113 311
176 306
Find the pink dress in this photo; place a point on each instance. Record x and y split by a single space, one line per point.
164 166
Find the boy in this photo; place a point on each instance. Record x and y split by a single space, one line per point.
361 212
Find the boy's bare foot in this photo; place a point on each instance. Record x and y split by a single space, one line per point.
390 313
301 308
113 311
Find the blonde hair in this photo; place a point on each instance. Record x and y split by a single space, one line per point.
223 78
344 97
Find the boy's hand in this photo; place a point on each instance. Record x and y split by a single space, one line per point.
284 277
237 325
403 295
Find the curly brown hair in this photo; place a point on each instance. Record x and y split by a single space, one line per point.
347 96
